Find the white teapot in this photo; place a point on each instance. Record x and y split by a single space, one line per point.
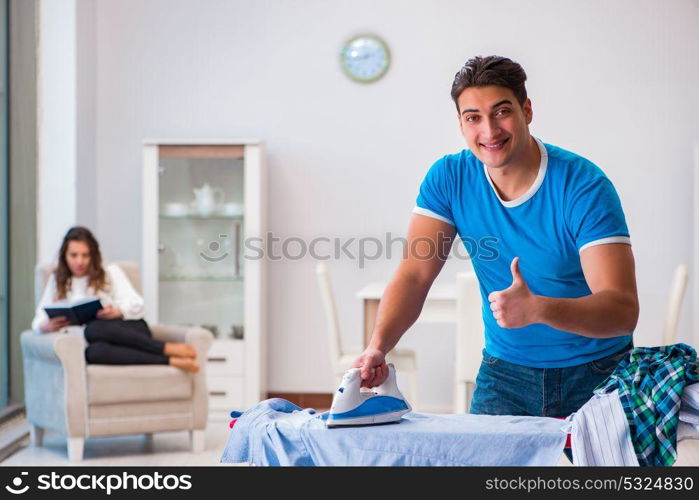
206 199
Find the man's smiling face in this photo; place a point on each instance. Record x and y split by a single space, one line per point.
494 124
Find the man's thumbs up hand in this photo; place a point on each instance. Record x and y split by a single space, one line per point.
517 278
515 306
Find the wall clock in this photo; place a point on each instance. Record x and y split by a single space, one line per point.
365 58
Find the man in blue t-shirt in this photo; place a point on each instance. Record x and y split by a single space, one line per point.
558 282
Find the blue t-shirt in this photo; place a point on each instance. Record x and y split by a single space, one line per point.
571 206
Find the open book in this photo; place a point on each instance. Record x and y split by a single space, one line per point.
77 312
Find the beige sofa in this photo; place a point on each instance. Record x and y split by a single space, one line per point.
79 401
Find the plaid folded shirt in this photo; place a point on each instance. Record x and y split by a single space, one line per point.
650 382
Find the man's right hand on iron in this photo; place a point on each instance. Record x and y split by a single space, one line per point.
373 365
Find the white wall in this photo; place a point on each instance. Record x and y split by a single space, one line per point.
613 81
86 114
57 134
67 177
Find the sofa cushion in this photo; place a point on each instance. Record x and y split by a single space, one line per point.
108 384
128 418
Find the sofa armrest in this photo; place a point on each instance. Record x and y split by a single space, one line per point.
55 381
201 339
64 348
197 336
40 345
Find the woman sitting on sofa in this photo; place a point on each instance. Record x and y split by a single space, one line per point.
119 335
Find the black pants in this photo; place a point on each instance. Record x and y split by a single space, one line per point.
122 342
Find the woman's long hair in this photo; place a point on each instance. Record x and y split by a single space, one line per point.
97 278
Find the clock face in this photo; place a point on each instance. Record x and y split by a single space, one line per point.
365 58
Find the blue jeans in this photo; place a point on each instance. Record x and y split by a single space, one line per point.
504 388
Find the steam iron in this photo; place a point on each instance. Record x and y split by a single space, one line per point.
352 406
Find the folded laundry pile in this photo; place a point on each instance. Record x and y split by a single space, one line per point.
637 415
277 432
689 408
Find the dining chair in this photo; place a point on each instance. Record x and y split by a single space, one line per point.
674 304
470 339
403 359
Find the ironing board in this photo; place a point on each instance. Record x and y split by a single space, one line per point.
277 432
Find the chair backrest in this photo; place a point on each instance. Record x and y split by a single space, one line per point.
132 271
41 276
674 304
43 271
470 336
330 312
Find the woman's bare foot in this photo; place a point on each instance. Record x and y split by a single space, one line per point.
186 364
179 350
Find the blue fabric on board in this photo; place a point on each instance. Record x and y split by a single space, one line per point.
277 432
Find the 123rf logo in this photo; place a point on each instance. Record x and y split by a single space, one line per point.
102 482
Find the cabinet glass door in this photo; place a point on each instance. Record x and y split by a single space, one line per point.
200 241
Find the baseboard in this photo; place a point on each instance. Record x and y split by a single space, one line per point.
11 412
14 432
315 400
13 441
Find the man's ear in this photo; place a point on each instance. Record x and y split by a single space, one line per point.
527 109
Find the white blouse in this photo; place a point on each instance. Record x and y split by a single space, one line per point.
121 294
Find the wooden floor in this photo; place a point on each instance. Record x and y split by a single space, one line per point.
172 449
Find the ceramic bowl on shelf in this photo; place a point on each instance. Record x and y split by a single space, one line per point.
232 209
175 209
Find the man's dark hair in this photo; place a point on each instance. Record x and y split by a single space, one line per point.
492 70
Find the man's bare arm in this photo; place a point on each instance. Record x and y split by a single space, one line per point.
428 245
612 308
